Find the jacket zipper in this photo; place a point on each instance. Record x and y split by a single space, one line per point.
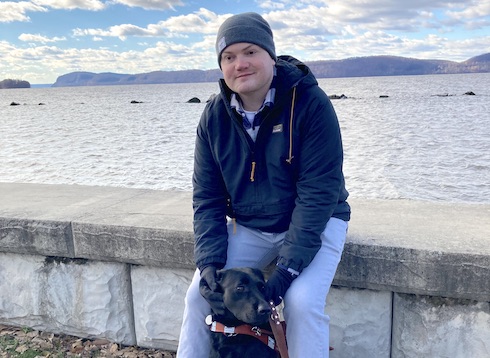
290 159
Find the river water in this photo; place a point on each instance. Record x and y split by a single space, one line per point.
425 141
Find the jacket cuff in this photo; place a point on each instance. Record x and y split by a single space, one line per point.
291 271
218 265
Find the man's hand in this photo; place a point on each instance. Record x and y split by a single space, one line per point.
278 284
208 287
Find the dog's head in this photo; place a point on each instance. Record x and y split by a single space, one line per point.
243 295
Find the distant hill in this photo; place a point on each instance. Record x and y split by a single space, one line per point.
108 78
8 83
478 63
350 67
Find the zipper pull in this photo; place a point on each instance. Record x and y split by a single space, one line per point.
252 174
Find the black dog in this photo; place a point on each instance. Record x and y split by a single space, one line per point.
243 330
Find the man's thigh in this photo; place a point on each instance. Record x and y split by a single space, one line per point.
251 248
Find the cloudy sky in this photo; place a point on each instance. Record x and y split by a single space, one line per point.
43 39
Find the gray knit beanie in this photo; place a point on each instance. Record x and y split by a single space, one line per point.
247 27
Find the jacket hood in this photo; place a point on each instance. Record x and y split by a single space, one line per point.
293 72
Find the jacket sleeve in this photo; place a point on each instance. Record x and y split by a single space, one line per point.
209 203
319 182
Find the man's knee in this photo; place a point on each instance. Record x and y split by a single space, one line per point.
193 297
303 299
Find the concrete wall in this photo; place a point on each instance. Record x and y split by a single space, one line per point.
115 263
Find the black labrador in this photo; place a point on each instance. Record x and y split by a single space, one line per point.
243 330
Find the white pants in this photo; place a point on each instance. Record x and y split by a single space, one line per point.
304 303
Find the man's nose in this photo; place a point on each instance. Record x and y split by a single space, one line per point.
241 62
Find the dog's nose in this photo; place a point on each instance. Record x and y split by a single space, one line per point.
264 309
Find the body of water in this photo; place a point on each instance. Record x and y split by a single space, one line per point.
425 141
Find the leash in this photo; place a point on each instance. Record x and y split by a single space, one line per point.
278 328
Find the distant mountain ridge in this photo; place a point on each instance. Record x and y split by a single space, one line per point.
350 67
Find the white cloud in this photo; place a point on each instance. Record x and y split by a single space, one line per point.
151 4
271 5
39 38
92 5
472 17
16 11
124 31
200 22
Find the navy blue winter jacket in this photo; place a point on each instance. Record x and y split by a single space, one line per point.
290 179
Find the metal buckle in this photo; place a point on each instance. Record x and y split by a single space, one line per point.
257 331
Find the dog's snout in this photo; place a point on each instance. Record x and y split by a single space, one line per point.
264 309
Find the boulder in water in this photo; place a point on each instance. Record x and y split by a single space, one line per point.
334 96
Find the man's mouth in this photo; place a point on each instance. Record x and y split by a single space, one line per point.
244 75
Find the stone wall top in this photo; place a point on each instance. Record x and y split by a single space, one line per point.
404 246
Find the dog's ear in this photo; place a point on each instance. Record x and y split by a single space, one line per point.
259 273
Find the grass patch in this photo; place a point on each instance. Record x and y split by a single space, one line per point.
14 348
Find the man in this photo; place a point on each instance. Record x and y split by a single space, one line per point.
268 156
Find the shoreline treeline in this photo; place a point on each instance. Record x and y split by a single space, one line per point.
9 83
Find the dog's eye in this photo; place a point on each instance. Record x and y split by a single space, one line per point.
261 287
240 288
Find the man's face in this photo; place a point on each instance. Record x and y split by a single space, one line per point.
248 69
